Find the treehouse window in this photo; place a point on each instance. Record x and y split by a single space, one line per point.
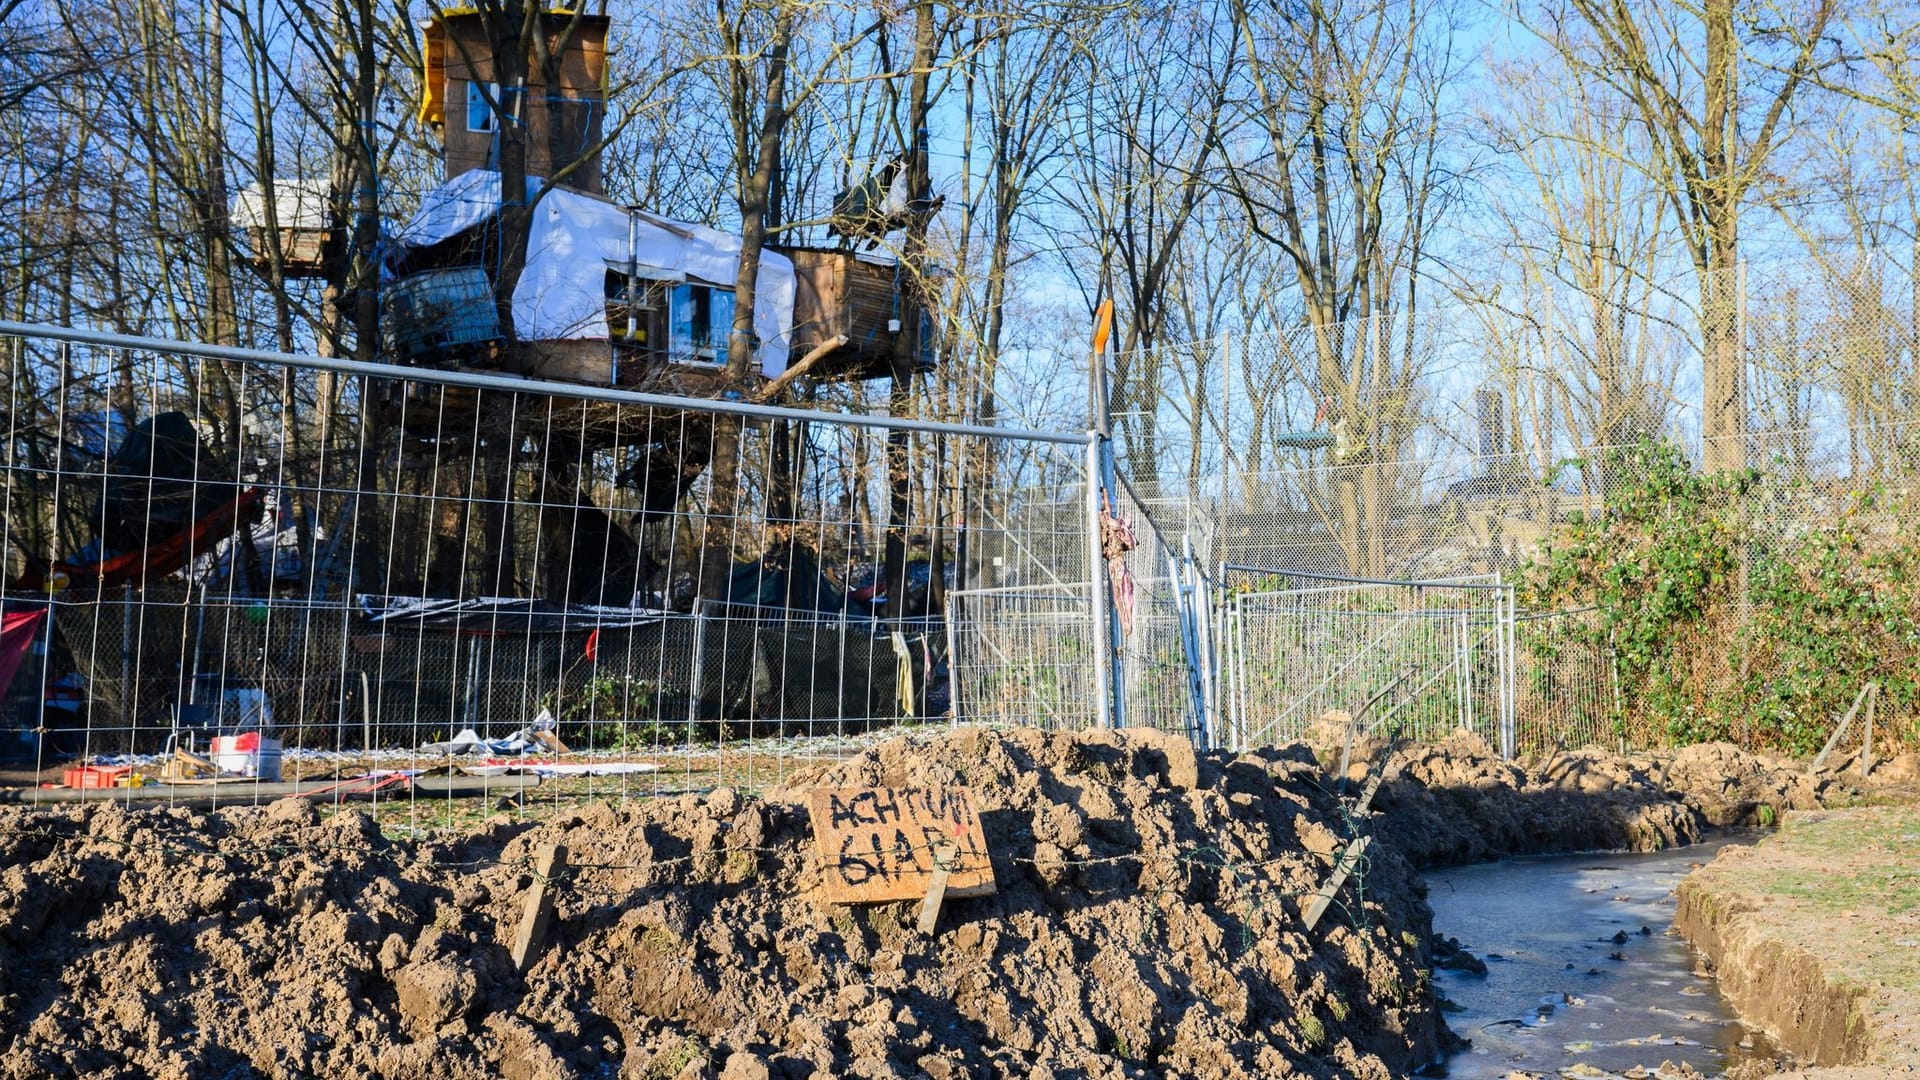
480 115
701 318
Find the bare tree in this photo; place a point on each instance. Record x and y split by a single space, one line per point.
1713 88
1150 127
1574 317
1348 98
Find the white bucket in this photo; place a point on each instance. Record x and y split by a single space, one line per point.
252 754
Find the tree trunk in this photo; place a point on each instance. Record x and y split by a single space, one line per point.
743 347
913 286
1723 413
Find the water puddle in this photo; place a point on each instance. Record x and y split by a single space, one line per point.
1583 977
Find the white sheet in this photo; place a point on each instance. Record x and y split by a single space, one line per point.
297 204
562 291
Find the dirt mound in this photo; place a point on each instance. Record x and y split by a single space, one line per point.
1146 924
1730 786
1456 801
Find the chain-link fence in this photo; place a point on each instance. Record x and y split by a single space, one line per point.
1506 439
407 569
1480 395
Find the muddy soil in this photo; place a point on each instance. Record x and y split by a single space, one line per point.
1146 925
1456 801
1147 922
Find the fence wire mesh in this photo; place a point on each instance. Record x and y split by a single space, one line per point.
1470 438
371 562
404 572
1154 650
1414 660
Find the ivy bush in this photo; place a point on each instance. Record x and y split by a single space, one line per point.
1731 608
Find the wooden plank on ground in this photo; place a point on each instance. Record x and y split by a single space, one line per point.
538 913
1324 898
943 858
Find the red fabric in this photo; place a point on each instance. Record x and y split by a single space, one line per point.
158 559
593 645
18 629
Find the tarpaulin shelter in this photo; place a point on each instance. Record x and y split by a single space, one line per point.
576 239
786 577
159 505
18 631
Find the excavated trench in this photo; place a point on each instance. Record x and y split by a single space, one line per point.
1753 918
1149 922
1572 962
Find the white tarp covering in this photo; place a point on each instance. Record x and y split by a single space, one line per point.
575 237
297 204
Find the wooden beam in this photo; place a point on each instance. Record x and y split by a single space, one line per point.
1871 690
1367 793
943 858
1324 898
538 912
819 352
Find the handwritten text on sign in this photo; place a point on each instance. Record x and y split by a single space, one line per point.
879 843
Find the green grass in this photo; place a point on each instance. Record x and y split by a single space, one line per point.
1848 879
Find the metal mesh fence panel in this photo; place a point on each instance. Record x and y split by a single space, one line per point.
1419 660
1023 654
395 570
1153 651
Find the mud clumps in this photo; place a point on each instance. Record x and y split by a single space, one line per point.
1146 924
1730 786
1456 801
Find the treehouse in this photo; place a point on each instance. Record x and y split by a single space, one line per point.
617 297
608 295
863 298
296 213
462 100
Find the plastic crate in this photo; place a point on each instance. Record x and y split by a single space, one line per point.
95 776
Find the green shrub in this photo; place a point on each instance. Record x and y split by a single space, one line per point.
1727 610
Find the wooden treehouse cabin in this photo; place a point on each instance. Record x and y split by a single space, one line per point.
296 214
462 101
609 296
865 299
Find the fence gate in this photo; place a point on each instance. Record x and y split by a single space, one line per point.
1420 659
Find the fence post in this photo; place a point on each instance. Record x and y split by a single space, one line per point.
699 664
1509 719
1097 598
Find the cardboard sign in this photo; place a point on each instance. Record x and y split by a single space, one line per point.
878 843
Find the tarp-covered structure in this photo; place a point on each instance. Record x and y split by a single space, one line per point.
160 502
576 238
